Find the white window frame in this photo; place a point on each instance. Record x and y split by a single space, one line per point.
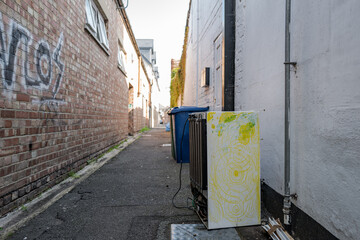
95 24
90 21
121 57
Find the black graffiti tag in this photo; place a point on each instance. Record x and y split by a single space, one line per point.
59 64
43 51
8 58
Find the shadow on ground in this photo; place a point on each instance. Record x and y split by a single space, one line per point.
128 198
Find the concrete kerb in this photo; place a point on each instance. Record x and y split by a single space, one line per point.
17 218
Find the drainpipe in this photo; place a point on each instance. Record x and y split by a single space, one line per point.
150 104
139 75
197 51
287 197
228 96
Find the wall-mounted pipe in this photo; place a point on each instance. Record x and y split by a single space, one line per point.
287 197
139 75
228 95
197 52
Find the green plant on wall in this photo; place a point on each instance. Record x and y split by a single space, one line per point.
178 76
175 90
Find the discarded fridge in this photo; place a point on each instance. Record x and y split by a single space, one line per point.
225 168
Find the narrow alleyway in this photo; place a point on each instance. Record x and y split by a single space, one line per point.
128 198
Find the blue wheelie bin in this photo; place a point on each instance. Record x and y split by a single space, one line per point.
180 131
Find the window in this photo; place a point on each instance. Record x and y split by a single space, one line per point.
121 57
95 23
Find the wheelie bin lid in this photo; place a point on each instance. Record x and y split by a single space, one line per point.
187 109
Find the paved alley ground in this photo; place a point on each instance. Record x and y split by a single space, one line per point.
128 198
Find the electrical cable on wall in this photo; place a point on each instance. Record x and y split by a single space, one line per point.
181 162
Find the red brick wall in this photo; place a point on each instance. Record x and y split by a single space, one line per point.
45 130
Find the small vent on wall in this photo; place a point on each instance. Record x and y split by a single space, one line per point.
205 77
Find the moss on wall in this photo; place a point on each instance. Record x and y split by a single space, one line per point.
178 76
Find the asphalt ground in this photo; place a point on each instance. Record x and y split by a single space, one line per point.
127 198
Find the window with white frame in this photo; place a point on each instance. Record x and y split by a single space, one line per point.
121 57
96 24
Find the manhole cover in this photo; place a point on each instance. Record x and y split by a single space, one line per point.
199 232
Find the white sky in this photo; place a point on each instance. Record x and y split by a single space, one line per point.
164 21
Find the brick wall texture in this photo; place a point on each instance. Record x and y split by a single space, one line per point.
63 98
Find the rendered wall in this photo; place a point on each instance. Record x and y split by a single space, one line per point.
131 62
142 103
200 51
154 120
155 101
140 88
325 102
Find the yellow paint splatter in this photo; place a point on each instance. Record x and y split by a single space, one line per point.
236 173
246 132
227 117
210 116
212 126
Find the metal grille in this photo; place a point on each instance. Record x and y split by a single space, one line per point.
198 151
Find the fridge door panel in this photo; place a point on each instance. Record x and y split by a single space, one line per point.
233 150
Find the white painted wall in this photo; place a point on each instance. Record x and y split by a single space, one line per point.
259 78
205 25
325 102
190 98
131 63
155 103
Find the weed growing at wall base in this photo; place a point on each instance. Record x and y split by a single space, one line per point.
101 155
9 235
145 129
113 147
73 175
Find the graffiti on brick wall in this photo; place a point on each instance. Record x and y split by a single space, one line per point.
43 80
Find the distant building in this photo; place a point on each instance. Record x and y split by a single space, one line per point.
148 54
147 50
174 63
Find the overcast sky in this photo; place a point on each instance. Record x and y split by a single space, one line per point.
164 21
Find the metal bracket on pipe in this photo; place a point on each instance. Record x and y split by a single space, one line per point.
122 5
294 196
291 63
